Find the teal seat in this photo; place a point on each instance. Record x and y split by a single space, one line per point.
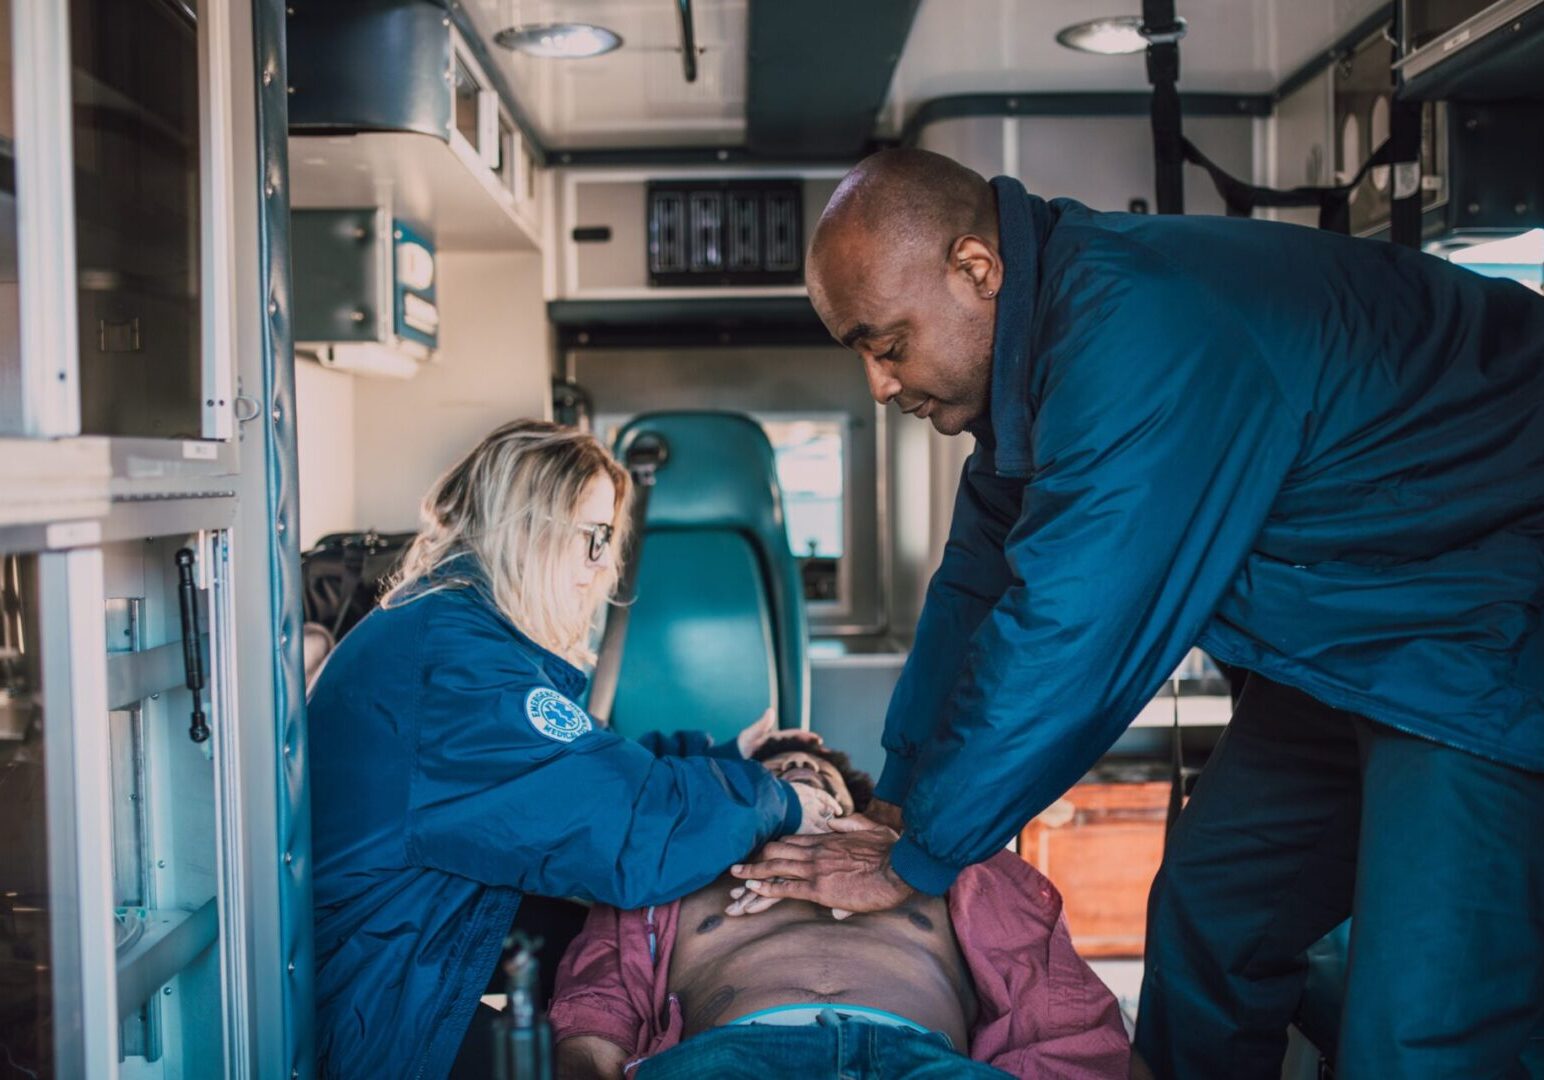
717 632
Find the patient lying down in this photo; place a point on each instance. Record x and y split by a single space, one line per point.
987 973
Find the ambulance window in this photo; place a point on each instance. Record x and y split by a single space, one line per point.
811 468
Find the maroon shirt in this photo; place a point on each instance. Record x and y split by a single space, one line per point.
1042 1011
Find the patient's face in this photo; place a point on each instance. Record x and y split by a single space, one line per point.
800 767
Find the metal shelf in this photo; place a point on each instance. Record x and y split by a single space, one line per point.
43 480
137 518
134 676
442 186
170 941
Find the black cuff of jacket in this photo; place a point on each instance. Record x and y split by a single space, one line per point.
728 751
793 814
920 870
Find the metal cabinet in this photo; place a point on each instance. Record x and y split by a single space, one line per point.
148 901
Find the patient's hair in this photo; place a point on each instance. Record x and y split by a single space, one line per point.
860 785
511 504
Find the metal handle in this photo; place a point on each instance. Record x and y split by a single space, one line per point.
645 456
688 40
192 636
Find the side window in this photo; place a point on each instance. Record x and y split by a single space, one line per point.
812 469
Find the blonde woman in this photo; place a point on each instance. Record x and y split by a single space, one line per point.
454 773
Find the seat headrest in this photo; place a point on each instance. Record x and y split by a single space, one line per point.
719 472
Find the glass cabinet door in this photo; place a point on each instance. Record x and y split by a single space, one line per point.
135 87
26 967
125 943
12 389
166 853
56 1011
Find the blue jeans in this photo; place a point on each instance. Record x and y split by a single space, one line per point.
1306 815
828 1050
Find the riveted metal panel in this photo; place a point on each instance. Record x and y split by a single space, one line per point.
293 812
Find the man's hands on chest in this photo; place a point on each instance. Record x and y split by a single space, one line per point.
847 870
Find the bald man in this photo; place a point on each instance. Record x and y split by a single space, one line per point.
1322 460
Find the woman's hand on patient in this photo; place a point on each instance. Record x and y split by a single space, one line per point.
755 736
822 813
820 809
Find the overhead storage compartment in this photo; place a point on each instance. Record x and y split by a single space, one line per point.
392 106
1470 50
365 295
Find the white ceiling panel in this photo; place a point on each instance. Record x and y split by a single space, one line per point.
638 95
1006 46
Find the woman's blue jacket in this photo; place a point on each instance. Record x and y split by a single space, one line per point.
452 773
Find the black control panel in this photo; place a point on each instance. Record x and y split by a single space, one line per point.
731 232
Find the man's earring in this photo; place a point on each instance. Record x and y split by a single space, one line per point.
991 293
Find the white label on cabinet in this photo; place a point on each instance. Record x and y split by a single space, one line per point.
68 534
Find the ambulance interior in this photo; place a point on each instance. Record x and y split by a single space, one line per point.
267 270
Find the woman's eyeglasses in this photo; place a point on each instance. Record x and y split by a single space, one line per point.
600 537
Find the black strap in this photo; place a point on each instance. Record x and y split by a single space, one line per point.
1333 202
1163 32
1405 186
1405 157
644 457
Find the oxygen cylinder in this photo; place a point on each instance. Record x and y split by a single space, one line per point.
522 1038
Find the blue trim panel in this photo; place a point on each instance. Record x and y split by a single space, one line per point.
278 394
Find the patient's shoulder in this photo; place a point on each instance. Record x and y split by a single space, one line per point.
1009 884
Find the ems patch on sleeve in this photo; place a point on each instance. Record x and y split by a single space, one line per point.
555 716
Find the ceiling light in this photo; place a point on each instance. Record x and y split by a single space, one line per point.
559 41
1112 36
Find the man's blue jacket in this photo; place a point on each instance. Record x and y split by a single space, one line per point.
1319 458
452 773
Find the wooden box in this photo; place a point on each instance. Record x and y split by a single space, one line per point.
1100 844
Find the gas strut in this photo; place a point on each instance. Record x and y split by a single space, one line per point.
192 654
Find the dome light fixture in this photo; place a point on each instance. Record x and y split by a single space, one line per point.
1114 35
559 41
